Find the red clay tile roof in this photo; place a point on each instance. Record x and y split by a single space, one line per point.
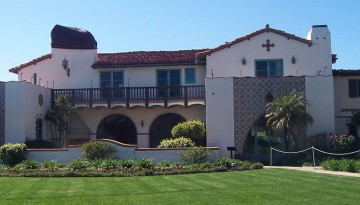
33 62
267 29
146 58
342 72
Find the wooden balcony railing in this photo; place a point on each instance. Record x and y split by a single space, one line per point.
128 95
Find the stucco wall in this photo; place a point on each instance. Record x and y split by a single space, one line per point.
309 59
122 152
92 117
22 108
320 96
343 103
220 113
2 113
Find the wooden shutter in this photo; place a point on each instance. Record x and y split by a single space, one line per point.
352 88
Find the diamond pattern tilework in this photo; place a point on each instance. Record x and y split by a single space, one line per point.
249 101
2 113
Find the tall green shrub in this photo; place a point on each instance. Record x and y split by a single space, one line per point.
194 155
12 154
193 129
97 150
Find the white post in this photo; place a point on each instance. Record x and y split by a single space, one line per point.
270 156
313 155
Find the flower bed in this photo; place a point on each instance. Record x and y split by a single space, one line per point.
119 168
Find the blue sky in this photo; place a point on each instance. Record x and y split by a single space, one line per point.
120 25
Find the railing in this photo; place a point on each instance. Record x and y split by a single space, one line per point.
130 94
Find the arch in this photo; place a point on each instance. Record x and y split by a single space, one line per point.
161 127
259 139
117 127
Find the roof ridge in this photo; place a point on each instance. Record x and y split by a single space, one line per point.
201 49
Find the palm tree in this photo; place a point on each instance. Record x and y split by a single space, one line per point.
287 115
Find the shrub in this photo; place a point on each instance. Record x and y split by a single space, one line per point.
194 155
226 162
28 164
109 164
164 163
180 142
53 164
97 150
39 144
79 165
146 163
12 154
256 165
342 143
128 163
193 129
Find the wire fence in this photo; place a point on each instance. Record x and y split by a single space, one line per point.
313 149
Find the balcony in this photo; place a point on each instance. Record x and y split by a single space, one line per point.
133 96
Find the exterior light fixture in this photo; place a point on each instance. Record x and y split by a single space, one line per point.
65 66
243 61
142 123
293 60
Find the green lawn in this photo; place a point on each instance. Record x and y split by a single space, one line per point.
266 186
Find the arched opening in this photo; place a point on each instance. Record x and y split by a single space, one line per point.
39 129
259 139
117 127
161 127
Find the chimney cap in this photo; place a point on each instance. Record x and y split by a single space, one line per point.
319 26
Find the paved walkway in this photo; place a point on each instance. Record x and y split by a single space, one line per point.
316 170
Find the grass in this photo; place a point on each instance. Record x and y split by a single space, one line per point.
265 186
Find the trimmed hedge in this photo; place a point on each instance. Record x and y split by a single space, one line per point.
193 129
180 142
97 150
12 154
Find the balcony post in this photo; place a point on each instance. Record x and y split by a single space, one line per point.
186 96
146 97
109 92
127 89
167 90
72 97
91 98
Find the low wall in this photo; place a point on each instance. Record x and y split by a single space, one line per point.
123 151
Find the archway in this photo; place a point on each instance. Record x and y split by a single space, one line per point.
161 127
117 127
260 139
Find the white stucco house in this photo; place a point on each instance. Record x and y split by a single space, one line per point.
136 97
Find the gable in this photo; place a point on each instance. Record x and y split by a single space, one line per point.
248 37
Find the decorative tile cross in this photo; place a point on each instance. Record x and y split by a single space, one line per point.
268 45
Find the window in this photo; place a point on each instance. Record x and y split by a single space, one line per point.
269 68
190 76
114 80
168 82
354 88
39 129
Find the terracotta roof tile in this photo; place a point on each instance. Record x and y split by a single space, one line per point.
32 62
267 29
146 58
